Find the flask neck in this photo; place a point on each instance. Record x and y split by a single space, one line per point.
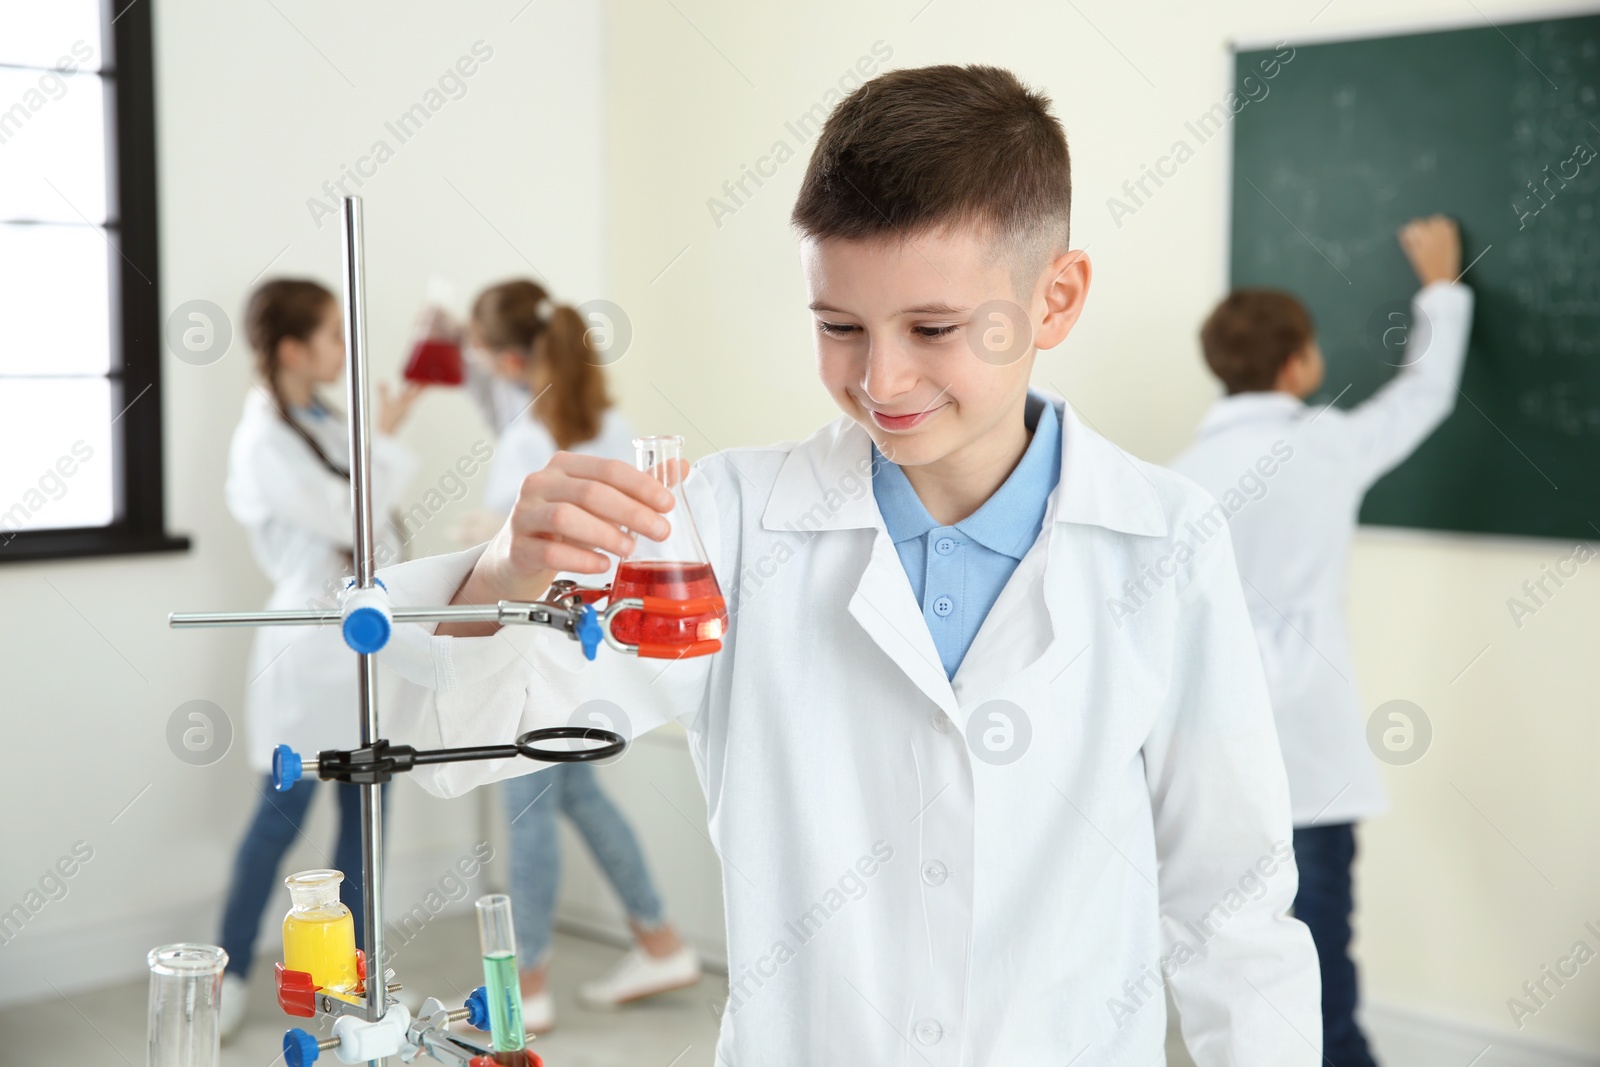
660 458
314 890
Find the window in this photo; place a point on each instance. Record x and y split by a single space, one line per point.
80 321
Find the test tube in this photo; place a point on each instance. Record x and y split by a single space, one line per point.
185 1005
500 972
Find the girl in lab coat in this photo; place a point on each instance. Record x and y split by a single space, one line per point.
519 334
288 485
523 338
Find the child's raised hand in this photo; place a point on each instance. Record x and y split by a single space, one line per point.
437 322
393 408
1433 245
566 515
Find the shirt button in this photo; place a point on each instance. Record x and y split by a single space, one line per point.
942 723
929 1031
934 872
944 546
943 606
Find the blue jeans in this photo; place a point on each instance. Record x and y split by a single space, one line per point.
271 833
532 802
1324 903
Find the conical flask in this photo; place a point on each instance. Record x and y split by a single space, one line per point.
676 568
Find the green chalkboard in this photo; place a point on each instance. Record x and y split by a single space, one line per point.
1351 139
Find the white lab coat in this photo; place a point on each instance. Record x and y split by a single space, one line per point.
891 899
1292 530
526 446
301 688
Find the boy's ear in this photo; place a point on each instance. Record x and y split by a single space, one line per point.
1283 381
1064 287
1298 372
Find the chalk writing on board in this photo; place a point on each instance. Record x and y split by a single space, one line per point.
1498 127
1565 407
1548 185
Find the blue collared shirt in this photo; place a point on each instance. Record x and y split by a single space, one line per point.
957 572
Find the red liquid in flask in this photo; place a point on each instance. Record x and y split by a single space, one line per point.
435 362
671 581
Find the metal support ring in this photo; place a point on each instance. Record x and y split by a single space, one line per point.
614 744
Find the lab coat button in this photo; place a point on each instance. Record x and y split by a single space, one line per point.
944 546
934 872
929 1031
943 606
942 723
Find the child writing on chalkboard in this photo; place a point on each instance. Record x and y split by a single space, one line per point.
1289 480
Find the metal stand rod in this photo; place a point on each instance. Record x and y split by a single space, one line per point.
565 608
506 611
355 326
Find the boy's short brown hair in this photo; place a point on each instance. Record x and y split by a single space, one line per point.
914 150
1251 335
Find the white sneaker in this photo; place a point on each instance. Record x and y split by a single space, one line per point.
235 1002
639 975
539 1012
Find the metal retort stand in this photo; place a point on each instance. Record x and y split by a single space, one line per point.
369 1024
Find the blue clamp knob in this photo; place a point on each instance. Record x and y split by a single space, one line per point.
589 632
478 1008
299 1048
285 773
366 630
366 626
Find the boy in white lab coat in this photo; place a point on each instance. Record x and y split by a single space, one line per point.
1289 480
965 816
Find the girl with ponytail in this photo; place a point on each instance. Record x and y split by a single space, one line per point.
289 486
519 334
523 336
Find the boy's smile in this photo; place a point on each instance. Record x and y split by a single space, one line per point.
896 423
899 325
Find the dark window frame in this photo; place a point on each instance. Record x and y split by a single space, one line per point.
139 481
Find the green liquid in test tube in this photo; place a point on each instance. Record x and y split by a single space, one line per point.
500 972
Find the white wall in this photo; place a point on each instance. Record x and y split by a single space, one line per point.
1455 912
259 104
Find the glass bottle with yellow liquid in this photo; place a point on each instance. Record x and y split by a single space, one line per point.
319 933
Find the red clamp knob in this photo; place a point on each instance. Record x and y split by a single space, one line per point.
296 993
